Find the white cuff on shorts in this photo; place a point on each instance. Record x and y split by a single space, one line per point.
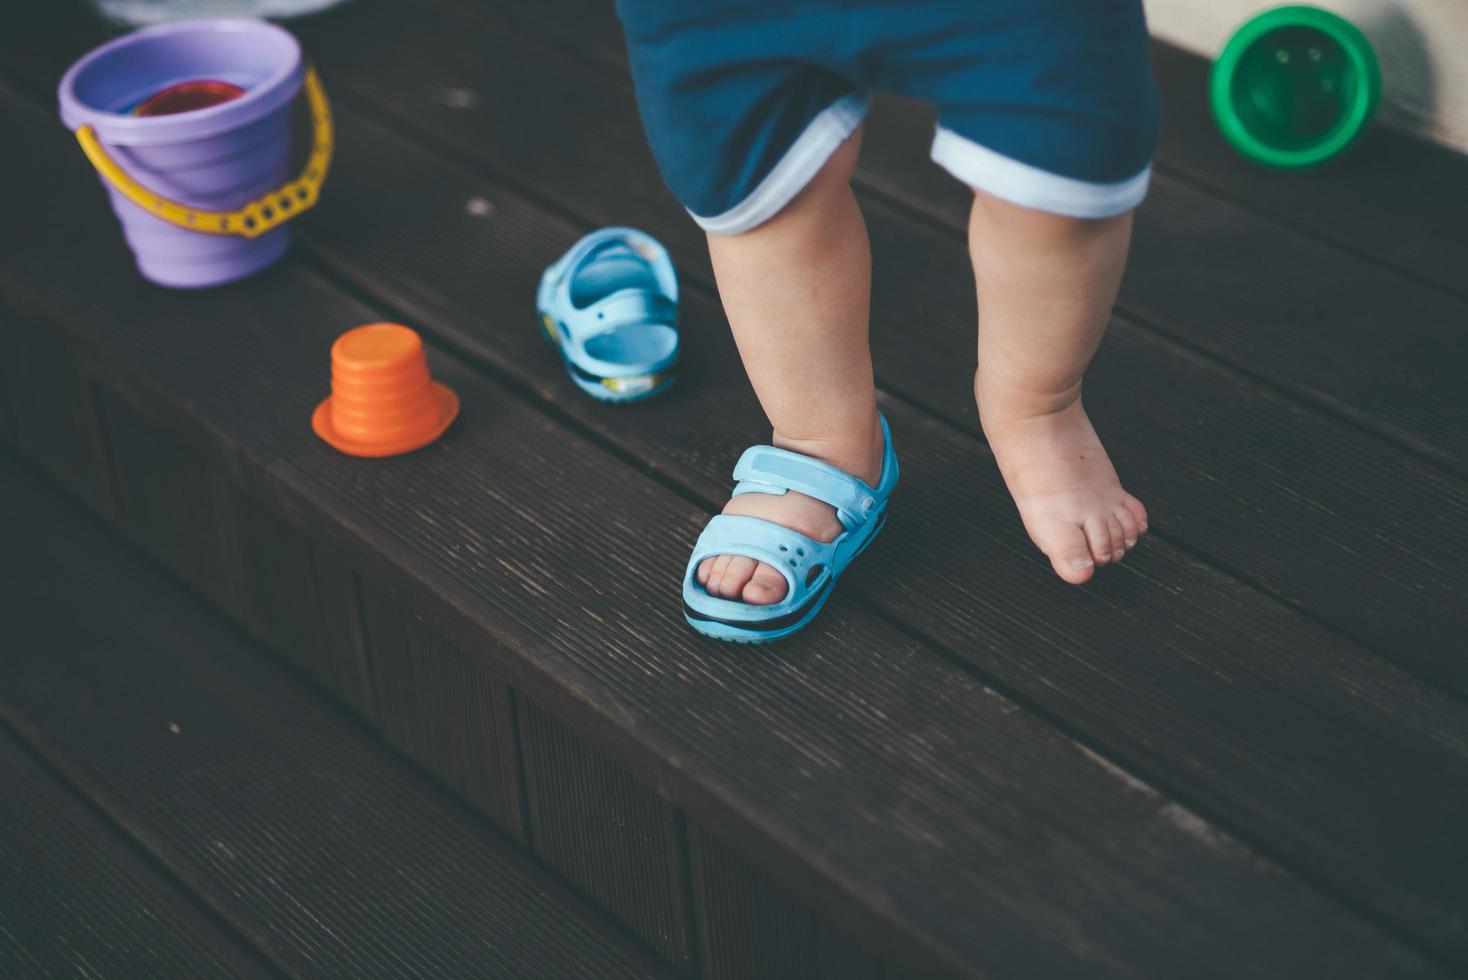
1030 187
810 151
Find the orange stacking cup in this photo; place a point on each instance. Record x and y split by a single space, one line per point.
383 401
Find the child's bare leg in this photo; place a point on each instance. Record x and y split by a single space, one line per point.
1046 284
796 290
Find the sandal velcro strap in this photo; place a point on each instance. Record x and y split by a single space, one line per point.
767 469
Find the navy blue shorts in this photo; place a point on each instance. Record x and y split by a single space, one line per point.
1046 103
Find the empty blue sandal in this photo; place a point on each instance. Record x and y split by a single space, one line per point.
610 306
810 567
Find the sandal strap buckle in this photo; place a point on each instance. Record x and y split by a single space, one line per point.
767 469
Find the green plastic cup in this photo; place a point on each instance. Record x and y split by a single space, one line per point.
1295 87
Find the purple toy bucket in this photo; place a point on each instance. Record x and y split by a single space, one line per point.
201 194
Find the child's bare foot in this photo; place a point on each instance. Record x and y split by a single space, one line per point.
759 584
1062 481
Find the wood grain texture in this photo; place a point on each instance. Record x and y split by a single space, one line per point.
304 834
77 901
915 806
835 746
1142 653
607 833
881 720
748 926
1149 615
1228 471
445 708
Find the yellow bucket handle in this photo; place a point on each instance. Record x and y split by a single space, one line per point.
256 217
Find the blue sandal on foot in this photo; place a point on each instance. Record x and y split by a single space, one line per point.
810 567
610 306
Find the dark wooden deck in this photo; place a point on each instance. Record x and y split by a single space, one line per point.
243 824
1242 754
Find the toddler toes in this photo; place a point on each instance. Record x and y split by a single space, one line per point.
705 568
1098 536
1069 553
1129 530
716 574
1118 539
766 587
1137 510
736 576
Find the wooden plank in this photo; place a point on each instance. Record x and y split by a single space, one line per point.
445 708
607 833
773 730
49 404
171 499
748 926
300 600
1256 468
927 573
1331 830
77 901
881 720
935 583
299 830
1238 280
588 817
1399 200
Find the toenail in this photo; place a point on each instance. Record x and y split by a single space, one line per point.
1131 542
1081 563
1118 555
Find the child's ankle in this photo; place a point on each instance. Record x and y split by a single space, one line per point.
858 452
1001 400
